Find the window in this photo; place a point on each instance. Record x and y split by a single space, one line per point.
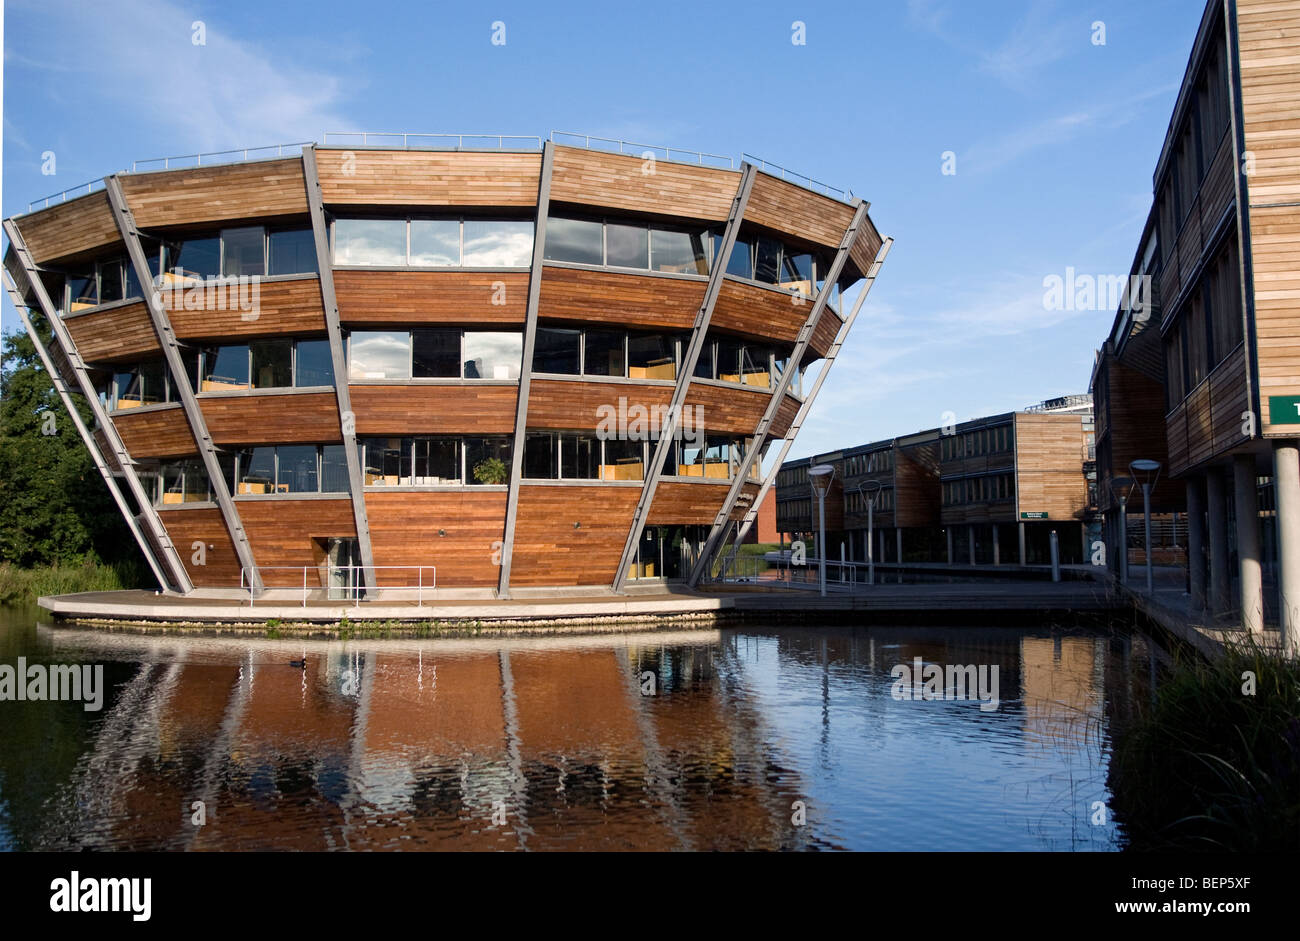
290 469
603 353
678 252
627 246
487 460
624 460
297 470
243 252
578 241
756 369
386 461
379 354
703 365
370 241
435 354
651 356
767 265
556 351
579 457
184 482
493 355
256 470
498 244
313 363
292 251
272 363
112 287
334 469
797 271
729 360
437 461
225 369
194 259
541 455
151 257
435 243
741 262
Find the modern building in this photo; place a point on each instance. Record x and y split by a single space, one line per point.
1222 251
553 366
987 491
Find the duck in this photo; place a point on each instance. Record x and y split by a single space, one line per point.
301 664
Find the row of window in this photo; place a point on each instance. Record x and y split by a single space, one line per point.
792 476
576 455
237 252
434 243
626 245
996 440
1209 327
795 509
873 463
435 461
284 469
987 489
855 501
434 353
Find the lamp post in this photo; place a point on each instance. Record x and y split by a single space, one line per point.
870 490
1121 487
820 476
1149 472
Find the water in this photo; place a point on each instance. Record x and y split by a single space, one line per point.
753 738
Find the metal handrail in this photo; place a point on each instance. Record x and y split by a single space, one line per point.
458 138
198 158
357 590
809 183
699 156
89 186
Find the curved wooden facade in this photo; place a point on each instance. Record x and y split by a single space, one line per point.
340 398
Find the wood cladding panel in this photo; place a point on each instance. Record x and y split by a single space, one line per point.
431 297
561 404
865 247
160 433
258 189
548 550
1269 57
425 178
1200 428
1049 463
434 409
785 414
630 300
221 563
686 504
735 411
300 418
793 210
273 308
753 311
824 334
1133 421
1228 403
918 495
80 225
1275 258
288 532
404 531
617 181
1176 437
1218 189
115 335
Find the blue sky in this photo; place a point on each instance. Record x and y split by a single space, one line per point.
1055 137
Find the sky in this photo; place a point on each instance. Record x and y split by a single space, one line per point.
1050 136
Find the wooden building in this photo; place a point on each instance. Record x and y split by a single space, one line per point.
354 366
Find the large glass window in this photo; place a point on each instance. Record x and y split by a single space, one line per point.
624 460
556 351
487 460
334 469
370 241
437 461
729 360
184 482
680 252
111 286
272 363
435 242
651 356
387 461
256 470
379 354
225 369
498 244
627 246
797 271
604 353
292 251
194 259
493 355
541 455
435 354
574 240
83 292
703 365
741 262
579 457
151 259
313 363
243 252
297 470
756 367
767 265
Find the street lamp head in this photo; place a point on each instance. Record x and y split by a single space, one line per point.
1146 471
1121 487
821 476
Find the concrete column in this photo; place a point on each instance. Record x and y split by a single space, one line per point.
950 545
1022 545
970 538
1252 576
1286 475
1216 505
882 546
997 549
898 544
1196 541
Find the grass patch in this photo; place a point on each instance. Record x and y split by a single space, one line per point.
1210 767
25 585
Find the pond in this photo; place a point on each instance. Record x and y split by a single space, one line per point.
791 738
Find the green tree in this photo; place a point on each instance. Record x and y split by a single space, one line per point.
54 506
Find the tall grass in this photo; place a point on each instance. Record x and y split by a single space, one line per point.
23 586
1208 766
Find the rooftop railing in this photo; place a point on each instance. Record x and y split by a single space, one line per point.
406 141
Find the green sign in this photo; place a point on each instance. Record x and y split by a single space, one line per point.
1284 409
1033 516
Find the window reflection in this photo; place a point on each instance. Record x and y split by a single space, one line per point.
379 355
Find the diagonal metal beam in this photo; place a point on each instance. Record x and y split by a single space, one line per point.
752 513
703 316
183 381
87 438
347 420
526 368
778 394
178 579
